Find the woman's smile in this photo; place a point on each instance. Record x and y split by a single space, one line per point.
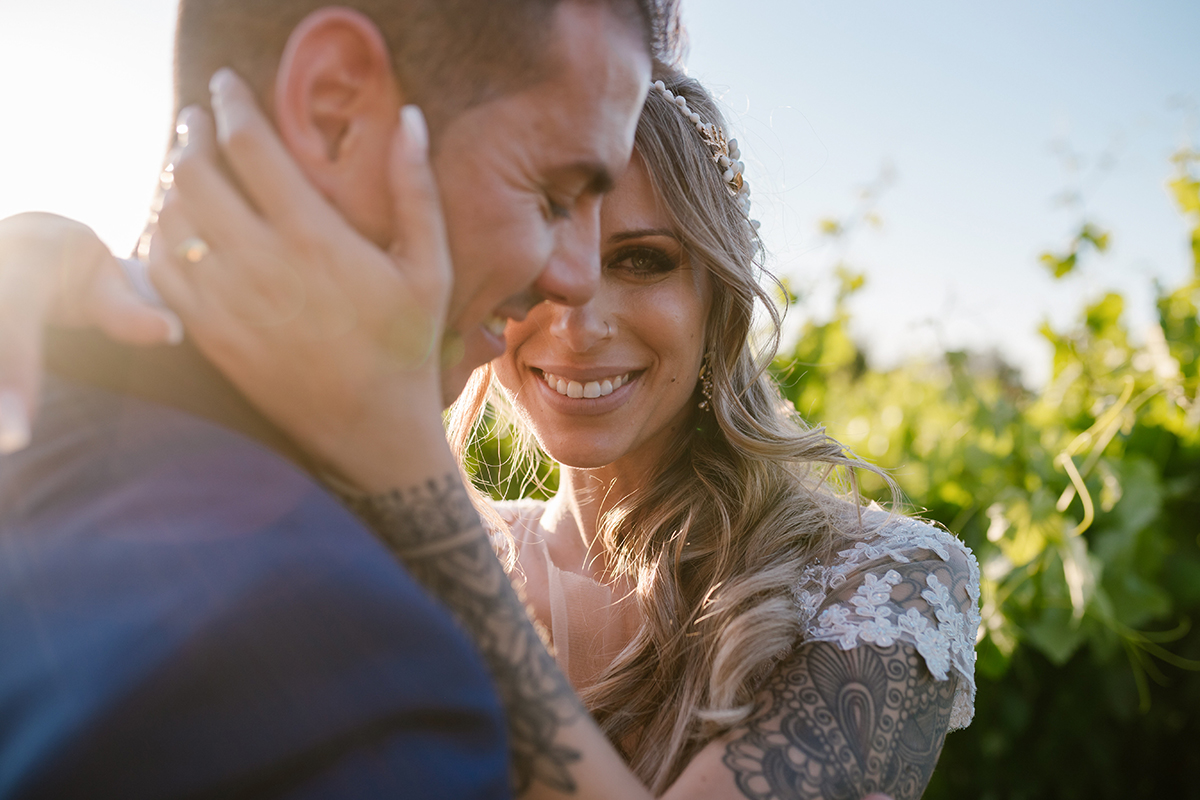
587 393
585 388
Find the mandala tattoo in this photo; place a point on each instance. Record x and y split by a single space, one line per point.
435 531
843 724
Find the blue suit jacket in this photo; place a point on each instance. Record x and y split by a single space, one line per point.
185 613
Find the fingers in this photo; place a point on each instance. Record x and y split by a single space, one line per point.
188 288
419 224
20 357
252 281
258 158
15 430
215 209
203 205
166 273
296 272
419 246
126 315
46 267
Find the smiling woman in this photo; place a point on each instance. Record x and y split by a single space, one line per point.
736 625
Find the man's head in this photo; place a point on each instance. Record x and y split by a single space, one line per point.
532 106
448 54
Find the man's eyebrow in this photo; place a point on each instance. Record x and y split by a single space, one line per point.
597 176
624 236
602 180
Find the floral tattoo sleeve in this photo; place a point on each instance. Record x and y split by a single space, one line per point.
843 724
434 530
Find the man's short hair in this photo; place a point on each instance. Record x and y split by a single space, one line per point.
447 54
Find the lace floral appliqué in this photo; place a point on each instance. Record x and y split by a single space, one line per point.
910 583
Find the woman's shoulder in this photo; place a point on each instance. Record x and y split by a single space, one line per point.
901 540
903 580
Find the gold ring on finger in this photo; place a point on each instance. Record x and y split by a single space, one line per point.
192 250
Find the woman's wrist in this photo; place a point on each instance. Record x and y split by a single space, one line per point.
396 442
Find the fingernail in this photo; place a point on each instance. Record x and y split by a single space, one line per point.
219 82
174 326
14 423
415 129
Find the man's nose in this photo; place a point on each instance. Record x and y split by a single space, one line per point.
580 328
572 275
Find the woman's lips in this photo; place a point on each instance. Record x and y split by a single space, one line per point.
588 390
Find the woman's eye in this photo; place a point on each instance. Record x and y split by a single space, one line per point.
644 262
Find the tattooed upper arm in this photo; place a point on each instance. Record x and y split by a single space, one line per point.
843 724
435 532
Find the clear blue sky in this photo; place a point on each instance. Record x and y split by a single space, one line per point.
962 101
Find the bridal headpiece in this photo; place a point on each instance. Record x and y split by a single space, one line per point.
725 152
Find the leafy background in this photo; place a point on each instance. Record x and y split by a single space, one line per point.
1081 501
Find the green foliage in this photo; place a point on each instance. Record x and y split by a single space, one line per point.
1081 502
510 469
1089 236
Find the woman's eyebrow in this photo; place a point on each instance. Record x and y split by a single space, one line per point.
623 236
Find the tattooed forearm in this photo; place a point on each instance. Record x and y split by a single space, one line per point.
845 723
435 531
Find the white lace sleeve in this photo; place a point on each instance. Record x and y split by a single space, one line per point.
909 582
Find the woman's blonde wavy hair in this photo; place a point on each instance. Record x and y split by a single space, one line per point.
743 501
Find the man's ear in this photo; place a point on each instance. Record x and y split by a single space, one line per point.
336 105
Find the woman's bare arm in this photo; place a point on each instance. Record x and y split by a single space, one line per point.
54 270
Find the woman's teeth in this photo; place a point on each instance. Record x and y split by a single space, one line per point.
589 390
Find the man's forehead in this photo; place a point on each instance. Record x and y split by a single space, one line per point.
597 67
576 122
590 119
564 136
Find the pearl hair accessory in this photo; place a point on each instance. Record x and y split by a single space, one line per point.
725 152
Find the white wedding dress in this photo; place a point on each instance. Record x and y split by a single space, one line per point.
907 581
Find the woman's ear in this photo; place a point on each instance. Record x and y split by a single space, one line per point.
337 104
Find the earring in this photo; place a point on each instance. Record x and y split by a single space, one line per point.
706 383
